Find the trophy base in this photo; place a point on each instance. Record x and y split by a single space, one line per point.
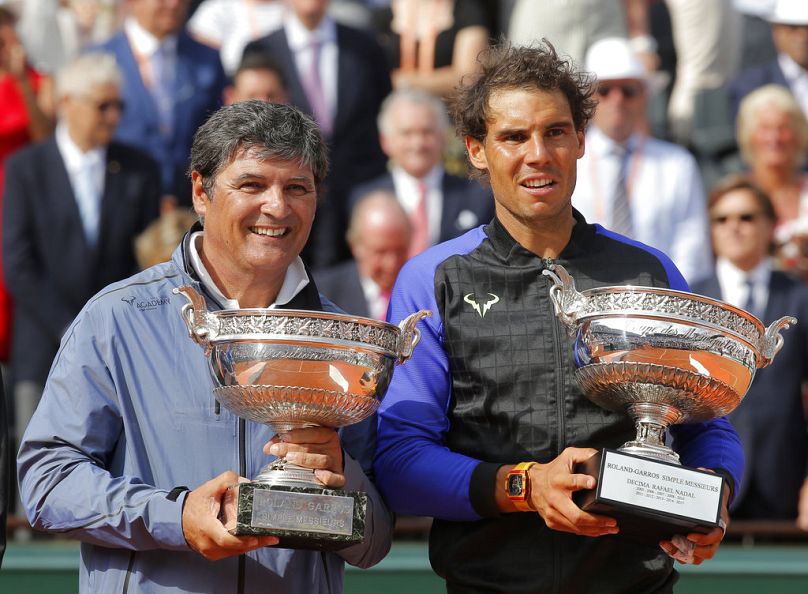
651 500
302 517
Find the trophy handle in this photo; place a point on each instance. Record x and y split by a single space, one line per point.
201 327
772 341
410 335
566 299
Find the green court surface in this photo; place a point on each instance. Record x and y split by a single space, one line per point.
52 567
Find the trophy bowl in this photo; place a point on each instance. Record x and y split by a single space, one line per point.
291 369
661 355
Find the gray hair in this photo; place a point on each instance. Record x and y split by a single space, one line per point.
418 97
764 98
78 77
267 130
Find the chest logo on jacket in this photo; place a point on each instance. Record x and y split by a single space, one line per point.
147 304
483 308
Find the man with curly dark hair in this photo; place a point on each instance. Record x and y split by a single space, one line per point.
491 391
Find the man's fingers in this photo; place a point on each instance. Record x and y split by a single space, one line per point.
578 482
330 479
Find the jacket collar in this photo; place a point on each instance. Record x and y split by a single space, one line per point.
308 298
513 253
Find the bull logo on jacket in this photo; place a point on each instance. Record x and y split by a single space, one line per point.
481 308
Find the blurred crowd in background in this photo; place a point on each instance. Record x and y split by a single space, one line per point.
698 148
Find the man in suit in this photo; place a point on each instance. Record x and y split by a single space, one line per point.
413 127
171 84
634 184
789 25
770 420
73 205
338 75
379 236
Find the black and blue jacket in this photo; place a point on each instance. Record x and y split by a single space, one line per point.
492 382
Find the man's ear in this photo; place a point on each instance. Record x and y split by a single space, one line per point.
476 152
581 143
199 195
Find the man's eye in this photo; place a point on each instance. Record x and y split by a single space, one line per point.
249 186
298 189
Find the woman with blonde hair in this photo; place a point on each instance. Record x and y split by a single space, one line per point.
772 133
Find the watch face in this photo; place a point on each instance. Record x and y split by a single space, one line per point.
516 485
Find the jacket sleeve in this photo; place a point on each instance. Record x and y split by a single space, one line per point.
378 520
70 473
415 471
713 444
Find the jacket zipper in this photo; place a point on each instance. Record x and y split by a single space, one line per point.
559 360
242 471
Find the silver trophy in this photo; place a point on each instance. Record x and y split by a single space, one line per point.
292 369
662 357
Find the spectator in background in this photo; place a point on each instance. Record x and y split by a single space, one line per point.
413 126
772 134
789 25
574 25
771 419
707 37
639 186
258 76
758 46
379 237
432 44
229 25
55 31
73 206
171 84
26 114
339 75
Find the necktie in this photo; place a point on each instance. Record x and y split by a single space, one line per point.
313 86
161 90
751 304
621 209
382 303
89 201
420 223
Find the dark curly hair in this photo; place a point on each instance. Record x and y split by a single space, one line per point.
504 66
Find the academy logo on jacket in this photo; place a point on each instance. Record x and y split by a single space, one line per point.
147 304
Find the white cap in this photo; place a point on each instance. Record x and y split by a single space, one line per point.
612 58
789 12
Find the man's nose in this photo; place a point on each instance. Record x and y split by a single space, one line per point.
274 202
536 149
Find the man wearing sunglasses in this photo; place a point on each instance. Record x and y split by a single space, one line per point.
636 185
770 422
73 205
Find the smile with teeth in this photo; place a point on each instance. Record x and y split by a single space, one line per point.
537 183
274 232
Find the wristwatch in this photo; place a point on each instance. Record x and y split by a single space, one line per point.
517 486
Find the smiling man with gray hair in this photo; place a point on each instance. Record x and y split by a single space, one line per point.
129 451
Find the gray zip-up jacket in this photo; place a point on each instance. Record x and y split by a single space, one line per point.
127 415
